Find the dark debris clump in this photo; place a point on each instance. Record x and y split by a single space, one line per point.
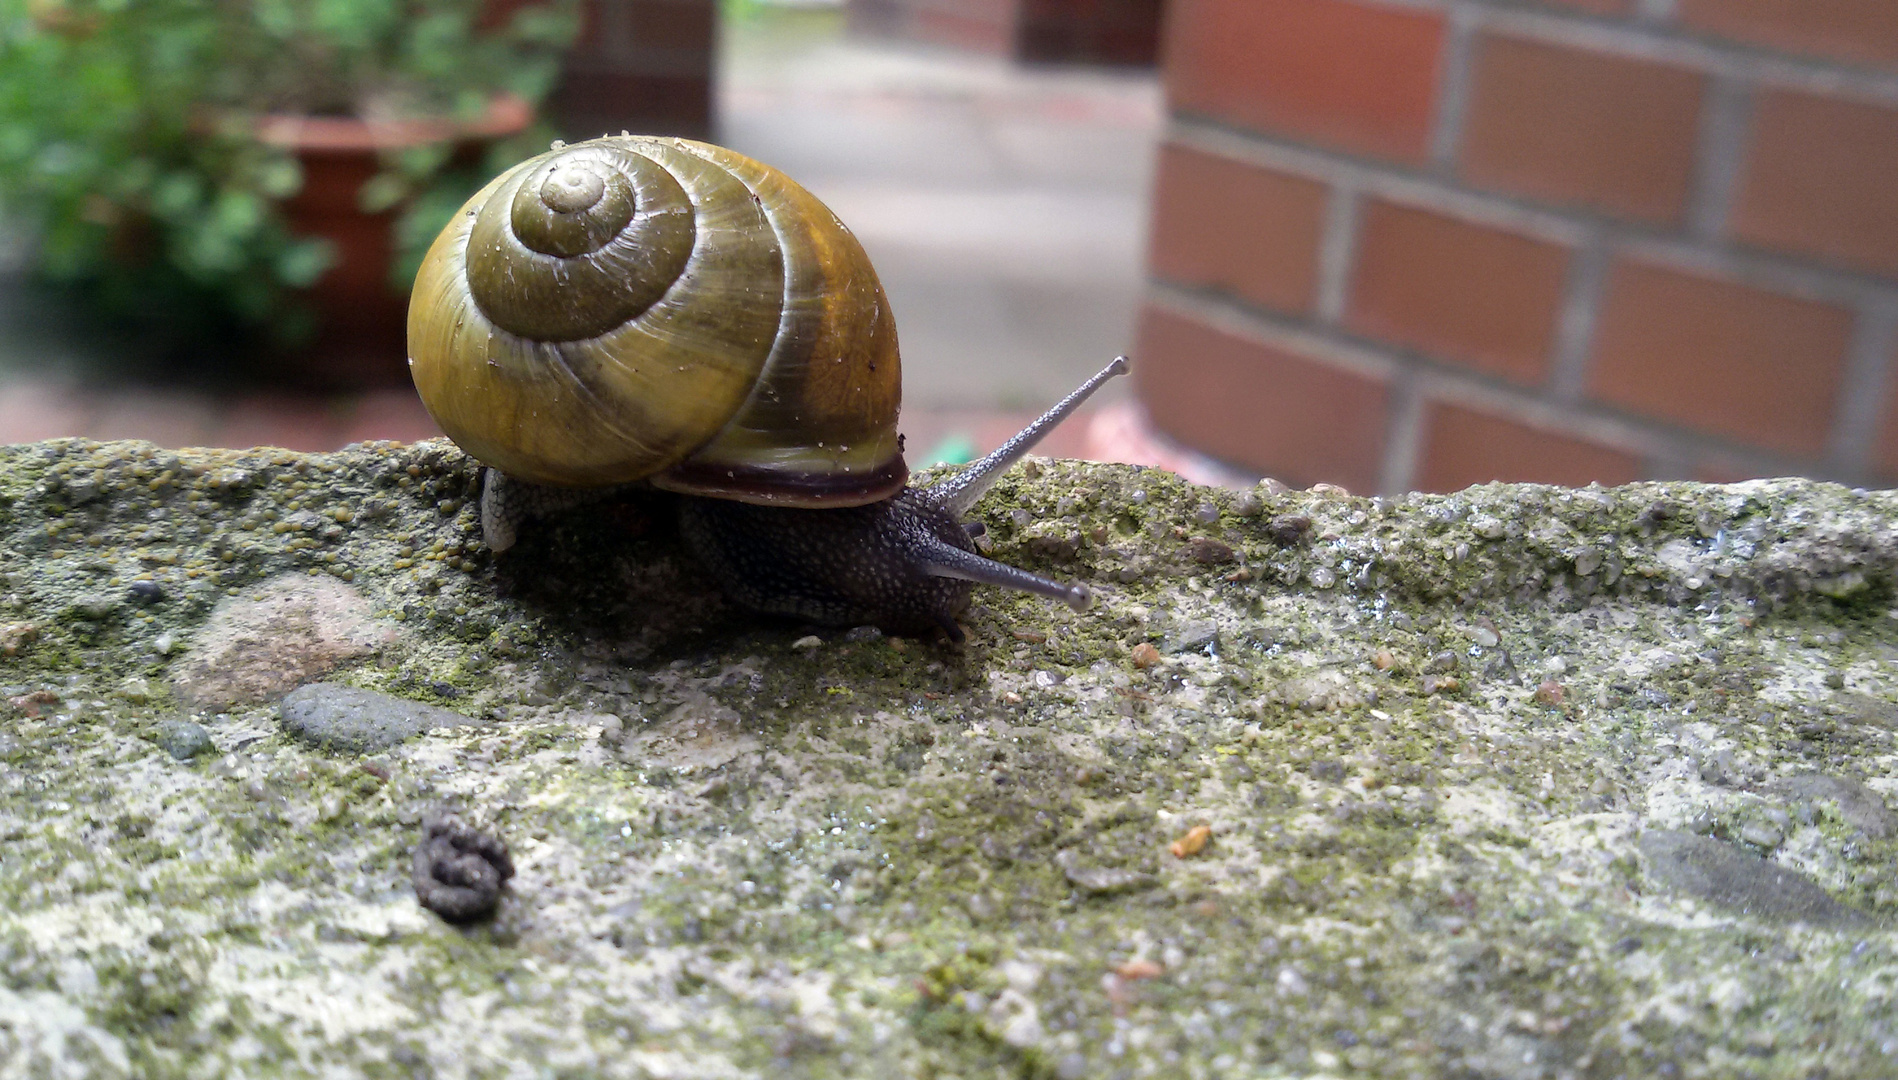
459 870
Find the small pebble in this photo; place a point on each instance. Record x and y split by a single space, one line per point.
1209 552
164 643
1140 969
808 641
31 704
1288 530
333 716
16 636
1194 636
458 871
183 739
1192 843
96 608
1486 637
1106 881
145 592
1145 655
1206 513
1761 835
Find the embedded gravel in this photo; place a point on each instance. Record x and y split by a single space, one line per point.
333 716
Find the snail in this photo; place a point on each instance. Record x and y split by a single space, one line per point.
655 310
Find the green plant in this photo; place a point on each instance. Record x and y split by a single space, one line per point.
127 143
385 58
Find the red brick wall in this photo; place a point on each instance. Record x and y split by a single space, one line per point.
1426 243
1053 31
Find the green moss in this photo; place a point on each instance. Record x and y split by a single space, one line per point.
869 857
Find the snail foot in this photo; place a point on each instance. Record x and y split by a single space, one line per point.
508 503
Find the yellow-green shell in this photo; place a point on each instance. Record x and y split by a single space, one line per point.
636 308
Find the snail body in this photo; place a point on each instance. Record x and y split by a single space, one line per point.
636 309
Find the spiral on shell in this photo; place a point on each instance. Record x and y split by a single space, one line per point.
640 308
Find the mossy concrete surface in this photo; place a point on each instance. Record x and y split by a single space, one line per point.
1517 782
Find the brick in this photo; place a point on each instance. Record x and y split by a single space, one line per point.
1595 7
1466 294
684 26
1267 409
628 35
1720 357
638 65
1351 76
589 102
1249 231
1582 128
1818 180
1849 30
1463 446
1090 31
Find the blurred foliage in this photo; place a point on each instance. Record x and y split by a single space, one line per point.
734 11
126 142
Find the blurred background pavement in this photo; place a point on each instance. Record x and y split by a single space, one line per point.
1004 207
1383 244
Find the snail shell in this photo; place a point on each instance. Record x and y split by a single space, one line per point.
643 308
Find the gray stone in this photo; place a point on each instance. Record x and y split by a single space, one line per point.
1193 636
1858 804
1106 880
184 739
337 717
1739 881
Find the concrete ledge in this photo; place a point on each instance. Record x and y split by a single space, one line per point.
1520 781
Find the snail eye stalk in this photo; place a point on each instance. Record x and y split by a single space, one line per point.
960 492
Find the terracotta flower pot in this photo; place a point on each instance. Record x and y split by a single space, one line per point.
360 336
